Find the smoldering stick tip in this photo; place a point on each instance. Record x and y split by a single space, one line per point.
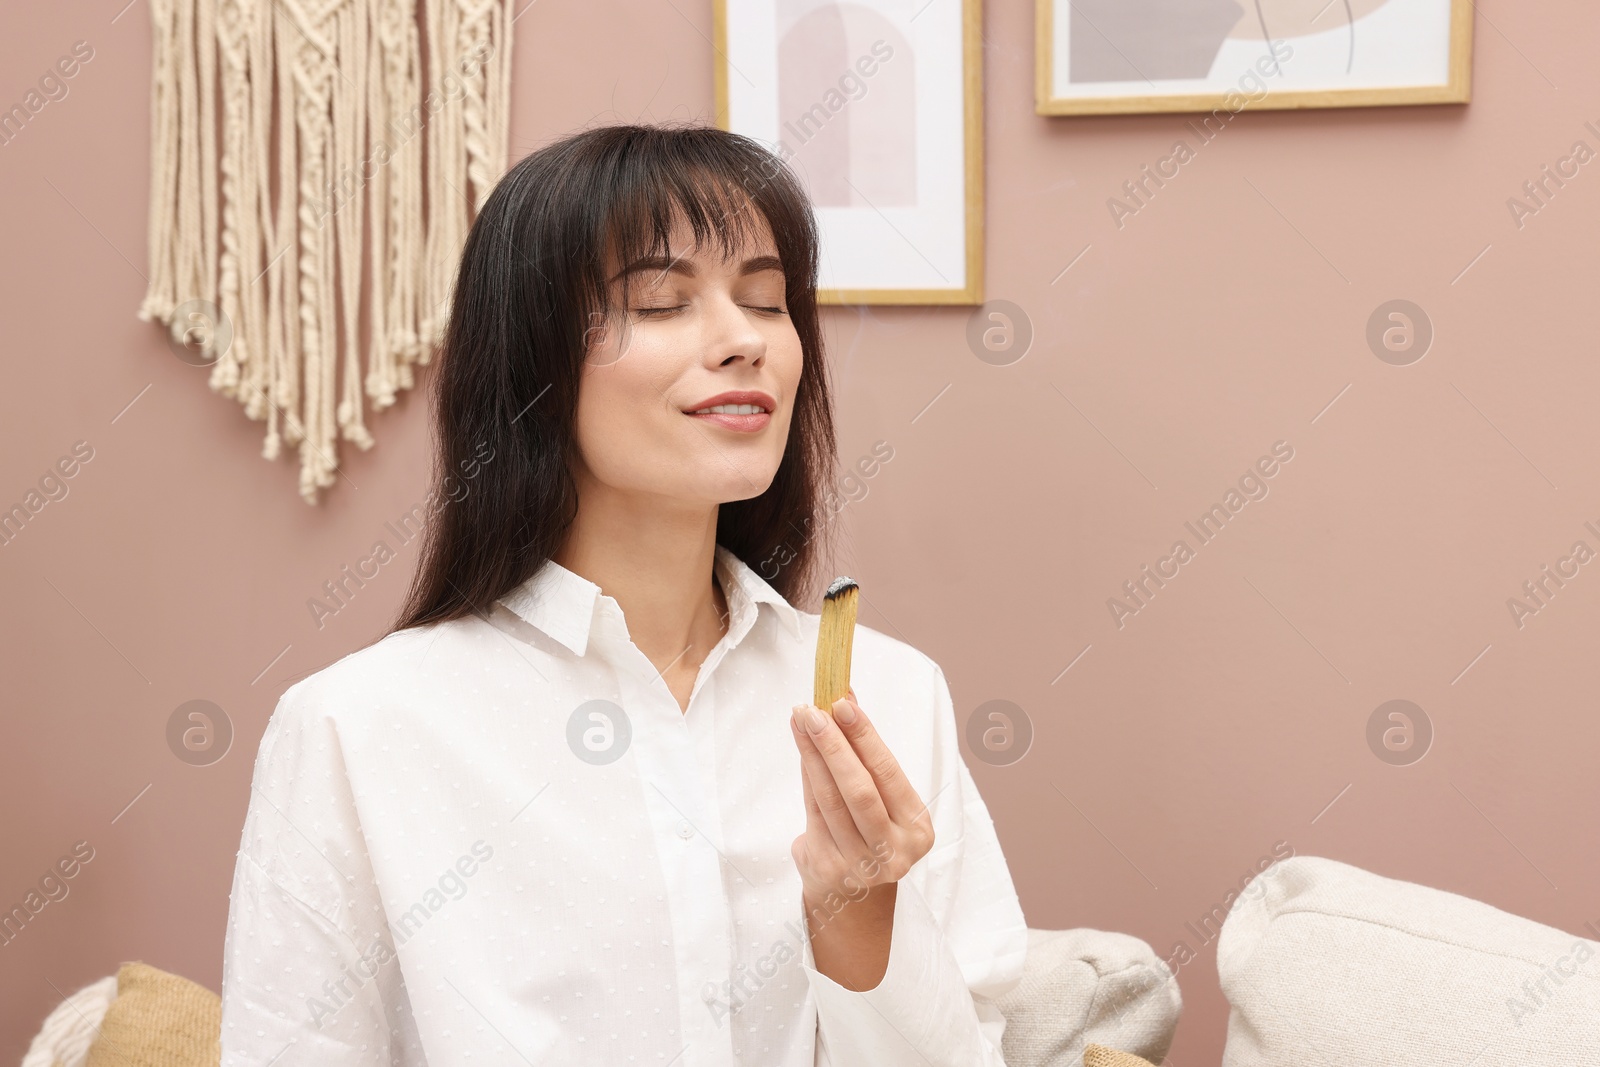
840 585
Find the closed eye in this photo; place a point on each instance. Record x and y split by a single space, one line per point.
651 312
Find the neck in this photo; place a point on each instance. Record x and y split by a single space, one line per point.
657 562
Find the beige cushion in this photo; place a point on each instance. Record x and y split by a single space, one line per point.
1100 1056
158 1020
1088 986
1324 963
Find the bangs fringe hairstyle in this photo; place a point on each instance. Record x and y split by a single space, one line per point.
531 286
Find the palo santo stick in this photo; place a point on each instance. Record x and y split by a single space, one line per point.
835 636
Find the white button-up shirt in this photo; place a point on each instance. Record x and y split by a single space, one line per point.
499 840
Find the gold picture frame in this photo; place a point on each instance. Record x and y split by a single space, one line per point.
972 228
1456 89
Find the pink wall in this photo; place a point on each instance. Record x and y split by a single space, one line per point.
1219 721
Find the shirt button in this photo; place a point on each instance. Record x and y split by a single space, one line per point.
685 831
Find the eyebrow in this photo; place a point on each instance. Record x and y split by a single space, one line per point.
680 265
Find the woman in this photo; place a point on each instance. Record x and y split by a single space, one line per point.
568 811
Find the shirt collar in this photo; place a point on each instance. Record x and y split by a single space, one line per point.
562 603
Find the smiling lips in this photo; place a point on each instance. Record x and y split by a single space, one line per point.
743 411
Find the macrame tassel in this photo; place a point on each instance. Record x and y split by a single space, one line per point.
205 48
239 234
190 280
312 61
312 182
483 105
353 150
383 60
175 162
258 251
283 321
446 199
404 226
158 300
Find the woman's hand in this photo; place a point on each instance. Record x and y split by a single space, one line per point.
865 824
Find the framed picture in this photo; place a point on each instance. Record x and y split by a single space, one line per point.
877 106
1097 57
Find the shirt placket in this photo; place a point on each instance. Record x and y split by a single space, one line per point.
679 794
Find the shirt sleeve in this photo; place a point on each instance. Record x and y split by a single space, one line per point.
309 971
957 944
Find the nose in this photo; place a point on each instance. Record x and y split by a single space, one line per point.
731 336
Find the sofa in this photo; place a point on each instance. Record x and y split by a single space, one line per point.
1323 964
1078 988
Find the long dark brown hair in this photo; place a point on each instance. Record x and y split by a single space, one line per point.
531 283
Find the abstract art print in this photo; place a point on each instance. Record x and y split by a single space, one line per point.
1119 56
877 107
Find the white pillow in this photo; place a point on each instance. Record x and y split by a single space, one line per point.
1082 986
1327 965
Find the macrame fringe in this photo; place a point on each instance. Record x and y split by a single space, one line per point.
315 166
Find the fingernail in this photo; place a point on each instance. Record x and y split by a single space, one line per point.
844 711
812 717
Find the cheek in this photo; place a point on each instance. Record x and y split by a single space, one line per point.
787 361
620 416
791 357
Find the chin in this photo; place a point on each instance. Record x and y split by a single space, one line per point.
736 488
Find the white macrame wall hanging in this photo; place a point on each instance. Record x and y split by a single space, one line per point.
315 166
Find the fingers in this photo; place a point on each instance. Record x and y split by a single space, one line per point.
899 796
845 791
816 825
816 845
